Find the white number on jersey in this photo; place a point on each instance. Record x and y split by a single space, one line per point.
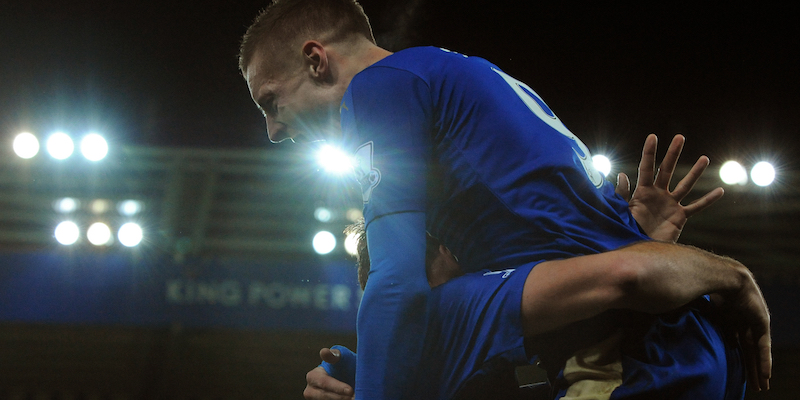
540 109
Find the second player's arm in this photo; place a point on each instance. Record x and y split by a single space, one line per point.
652 277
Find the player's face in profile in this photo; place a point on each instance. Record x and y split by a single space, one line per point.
293 104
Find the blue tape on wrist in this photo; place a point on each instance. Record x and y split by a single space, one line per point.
345 369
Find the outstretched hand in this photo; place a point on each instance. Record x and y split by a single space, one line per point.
321 386
657 210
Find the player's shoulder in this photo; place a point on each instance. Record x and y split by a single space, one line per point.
416 57
427 63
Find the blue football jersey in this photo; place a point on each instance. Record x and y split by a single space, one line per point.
454 145
501 179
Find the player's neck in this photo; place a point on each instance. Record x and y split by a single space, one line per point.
358 58
374 54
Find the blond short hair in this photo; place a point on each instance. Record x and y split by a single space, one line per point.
286 21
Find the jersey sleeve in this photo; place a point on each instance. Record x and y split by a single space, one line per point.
386 113
386 110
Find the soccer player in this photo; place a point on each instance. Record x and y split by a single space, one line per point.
453 144
475 333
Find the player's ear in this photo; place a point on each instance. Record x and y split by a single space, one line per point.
316 60
443 250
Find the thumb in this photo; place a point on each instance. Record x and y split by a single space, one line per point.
331 356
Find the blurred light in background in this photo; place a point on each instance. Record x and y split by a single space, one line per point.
351 244
66 205
602 164
99 206
323 214
67 233
60 146
99 234
26 145
324 242
129 208
733 173
334 160
762 174
94 147
130 234
353 214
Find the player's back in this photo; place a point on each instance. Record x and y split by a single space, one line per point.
511 184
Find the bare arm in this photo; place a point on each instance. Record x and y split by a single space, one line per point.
651 277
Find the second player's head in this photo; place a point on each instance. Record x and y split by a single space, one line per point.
440 264
285 59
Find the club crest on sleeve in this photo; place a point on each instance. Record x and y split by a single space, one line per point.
368 176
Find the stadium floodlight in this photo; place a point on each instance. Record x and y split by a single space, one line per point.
99 234
351 244
323 214
130 234
602 164
94 147
60 146
66 205
733 173
26 145
334 160
67 233
99 206
763 174
129 208
324 242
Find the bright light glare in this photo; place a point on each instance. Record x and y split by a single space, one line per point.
130 234
762 174
602 164
324 242
732 173
60 145
99 234
67 233
354 214
351 244
94 147
66 205
323 214
26 145
334 160
129 208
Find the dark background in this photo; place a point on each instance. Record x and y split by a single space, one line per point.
165 74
